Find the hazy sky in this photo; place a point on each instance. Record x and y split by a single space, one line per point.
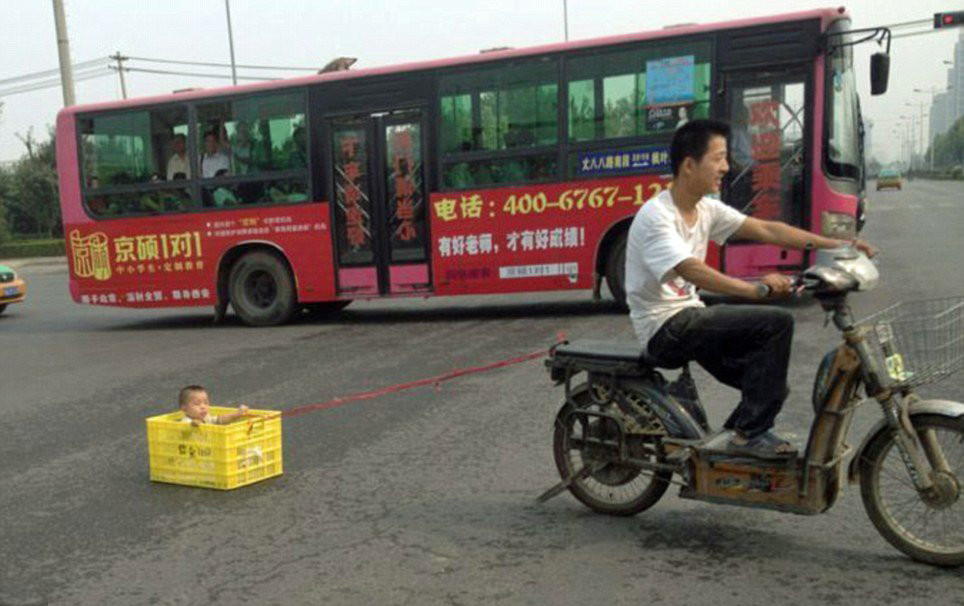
378 32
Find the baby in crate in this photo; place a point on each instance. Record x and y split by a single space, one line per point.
194 403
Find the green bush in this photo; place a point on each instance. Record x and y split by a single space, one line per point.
19 249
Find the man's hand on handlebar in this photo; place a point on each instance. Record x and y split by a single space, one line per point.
779 285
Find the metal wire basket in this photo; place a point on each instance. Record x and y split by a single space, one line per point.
917 342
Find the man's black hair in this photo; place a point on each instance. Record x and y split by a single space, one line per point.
692 139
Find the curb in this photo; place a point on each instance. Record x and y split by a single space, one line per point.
17 264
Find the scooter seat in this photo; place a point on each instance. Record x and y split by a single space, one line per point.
597 352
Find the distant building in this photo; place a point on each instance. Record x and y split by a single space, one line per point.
948 106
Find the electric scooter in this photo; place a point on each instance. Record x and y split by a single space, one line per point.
624 433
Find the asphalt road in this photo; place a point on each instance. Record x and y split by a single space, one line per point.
419 497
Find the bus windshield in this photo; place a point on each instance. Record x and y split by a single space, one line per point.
843 148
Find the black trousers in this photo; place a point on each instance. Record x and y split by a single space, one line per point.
744 346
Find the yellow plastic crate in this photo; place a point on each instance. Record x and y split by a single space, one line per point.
215 456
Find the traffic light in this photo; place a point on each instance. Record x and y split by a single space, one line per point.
951 19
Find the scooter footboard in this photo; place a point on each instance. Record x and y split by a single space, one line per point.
720 476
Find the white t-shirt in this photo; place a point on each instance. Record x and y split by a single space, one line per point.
212 163
178 164
659 240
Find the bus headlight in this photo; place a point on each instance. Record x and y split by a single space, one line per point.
838 225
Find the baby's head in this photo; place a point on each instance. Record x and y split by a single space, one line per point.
194 403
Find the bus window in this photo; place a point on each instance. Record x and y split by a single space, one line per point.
131 147
647 91
256 148
512 110
125 156
582 110
842 152
457 129
620 117
255 134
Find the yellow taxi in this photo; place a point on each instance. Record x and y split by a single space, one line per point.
889 177
12 288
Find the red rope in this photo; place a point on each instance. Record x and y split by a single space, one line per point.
436 381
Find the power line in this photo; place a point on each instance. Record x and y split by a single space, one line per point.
910 23
45 81
929 31
52 72
53 82
209 64
196 74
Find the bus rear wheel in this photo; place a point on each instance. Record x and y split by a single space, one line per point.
616 269
261 289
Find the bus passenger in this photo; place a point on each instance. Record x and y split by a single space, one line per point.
194 403
242 149
298 150
96 203
223 196
178 163
213 159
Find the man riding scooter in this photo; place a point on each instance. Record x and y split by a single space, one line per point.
744 346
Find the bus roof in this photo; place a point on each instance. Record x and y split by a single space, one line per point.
826 16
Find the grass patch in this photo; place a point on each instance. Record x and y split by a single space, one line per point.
19 249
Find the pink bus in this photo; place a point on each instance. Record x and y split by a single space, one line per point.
504 172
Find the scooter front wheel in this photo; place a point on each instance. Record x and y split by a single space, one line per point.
927 527
602 485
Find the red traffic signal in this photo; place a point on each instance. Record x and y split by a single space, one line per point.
950 19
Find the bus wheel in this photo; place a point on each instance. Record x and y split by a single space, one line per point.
261 289
616 269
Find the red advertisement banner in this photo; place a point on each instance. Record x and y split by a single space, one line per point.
539 237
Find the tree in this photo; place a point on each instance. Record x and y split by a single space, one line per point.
30 195
4 190
949 147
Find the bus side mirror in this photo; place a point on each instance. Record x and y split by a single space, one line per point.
879 73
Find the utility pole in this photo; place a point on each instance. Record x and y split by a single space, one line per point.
120 72
923 139
234 72
63 51
565 17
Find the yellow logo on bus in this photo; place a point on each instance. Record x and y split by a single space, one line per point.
91 259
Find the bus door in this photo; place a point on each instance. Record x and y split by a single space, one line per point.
770 162
379 199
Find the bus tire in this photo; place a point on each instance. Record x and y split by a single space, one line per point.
261 289
616 269
3 307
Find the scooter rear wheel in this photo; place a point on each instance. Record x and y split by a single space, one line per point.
613 488
928 528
